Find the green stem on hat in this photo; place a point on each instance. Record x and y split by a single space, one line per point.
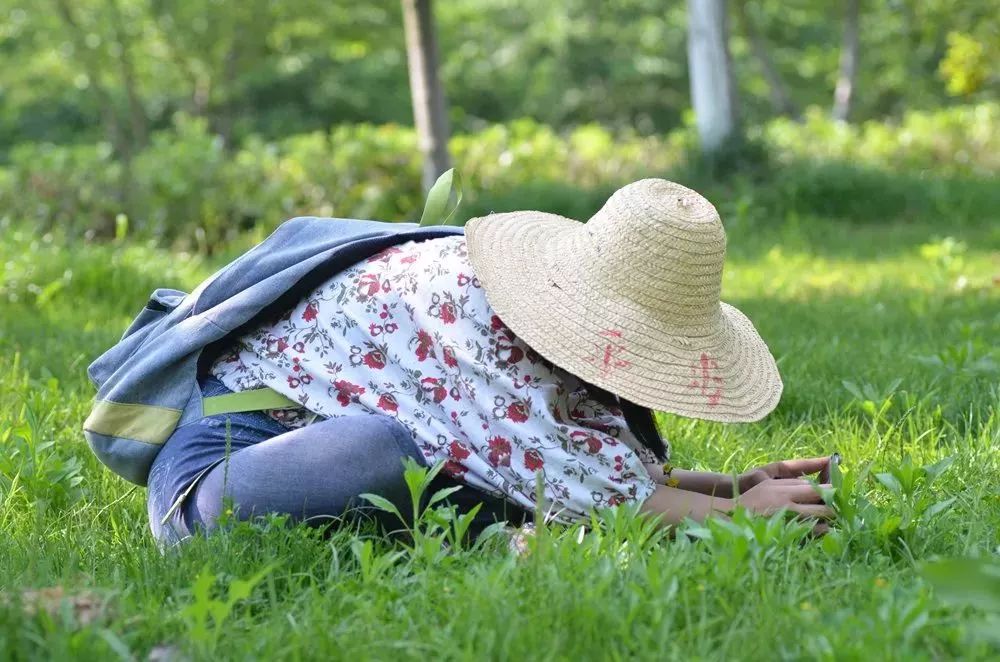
439 209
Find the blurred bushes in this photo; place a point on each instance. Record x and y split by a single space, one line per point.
963 140
73 186
188 189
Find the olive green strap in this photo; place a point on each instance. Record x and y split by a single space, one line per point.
439 200
253 400
146 423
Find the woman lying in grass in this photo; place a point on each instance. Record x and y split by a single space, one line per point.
529 344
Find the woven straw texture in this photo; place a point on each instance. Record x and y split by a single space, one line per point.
629 301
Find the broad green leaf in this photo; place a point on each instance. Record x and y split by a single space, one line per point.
381 503
889 525
853 389
439 210
938 468
443 494
890 482
936 509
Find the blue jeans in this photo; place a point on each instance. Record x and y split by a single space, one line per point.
314 474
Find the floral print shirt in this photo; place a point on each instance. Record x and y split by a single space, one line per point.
408 333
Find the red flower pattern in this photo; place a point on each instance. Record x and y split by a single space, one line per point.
533 460
374 359
517 412
594 445
387 402
424 344
509 353
435 386
448 313
346 390
369 285
458 450
453 469
499 454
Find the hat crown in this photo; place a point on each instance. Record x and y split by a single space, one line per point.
669 246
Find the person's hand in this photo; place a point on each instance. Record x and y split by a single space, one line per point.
784 470
794 494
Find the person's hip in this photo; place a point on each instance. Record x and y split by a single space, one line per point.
194 449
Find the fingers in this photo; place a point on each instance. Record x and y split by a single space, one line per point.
802 466
811 510
803 493
788 482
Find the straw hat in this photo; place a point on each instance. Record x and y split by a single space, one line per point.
629 301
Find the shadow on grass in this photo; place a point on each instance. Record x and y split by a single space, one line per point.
938 345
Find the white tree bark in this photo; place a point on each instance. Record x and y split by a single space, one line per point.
710 70
430 112
848 63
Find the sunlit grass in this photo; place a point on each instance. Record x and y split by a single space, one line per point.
886 339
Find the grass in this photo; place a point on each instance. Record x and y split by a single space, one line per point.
885 335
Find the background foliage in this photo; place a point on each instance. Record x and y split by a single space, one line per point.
278 68
144 143
191 122
186 187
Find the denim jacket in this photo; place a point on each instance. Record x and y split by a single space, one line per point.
147 382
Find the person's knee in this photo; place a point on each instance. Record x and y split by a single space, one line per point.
401 437
375 435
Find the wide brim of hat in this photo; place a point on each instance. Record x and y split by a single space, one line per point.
724 373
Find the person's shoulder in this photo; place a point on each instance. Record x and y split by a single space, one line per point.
449 251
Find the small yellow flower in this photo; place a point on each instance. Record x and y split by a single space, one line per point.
880 582
673 482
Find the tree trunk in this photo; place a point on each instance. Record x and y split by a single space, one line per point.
138 121
108 112
123 147
227 111
429 108
848 63
780 100
710 70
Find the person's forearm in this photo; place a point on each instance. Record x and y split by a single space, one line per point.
673 505
704 482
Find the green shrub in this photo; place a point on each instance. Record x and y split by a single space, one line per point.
181 180
73 186
963 140
186 188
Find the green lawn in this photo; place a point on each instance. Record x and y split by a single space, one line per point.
906 313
